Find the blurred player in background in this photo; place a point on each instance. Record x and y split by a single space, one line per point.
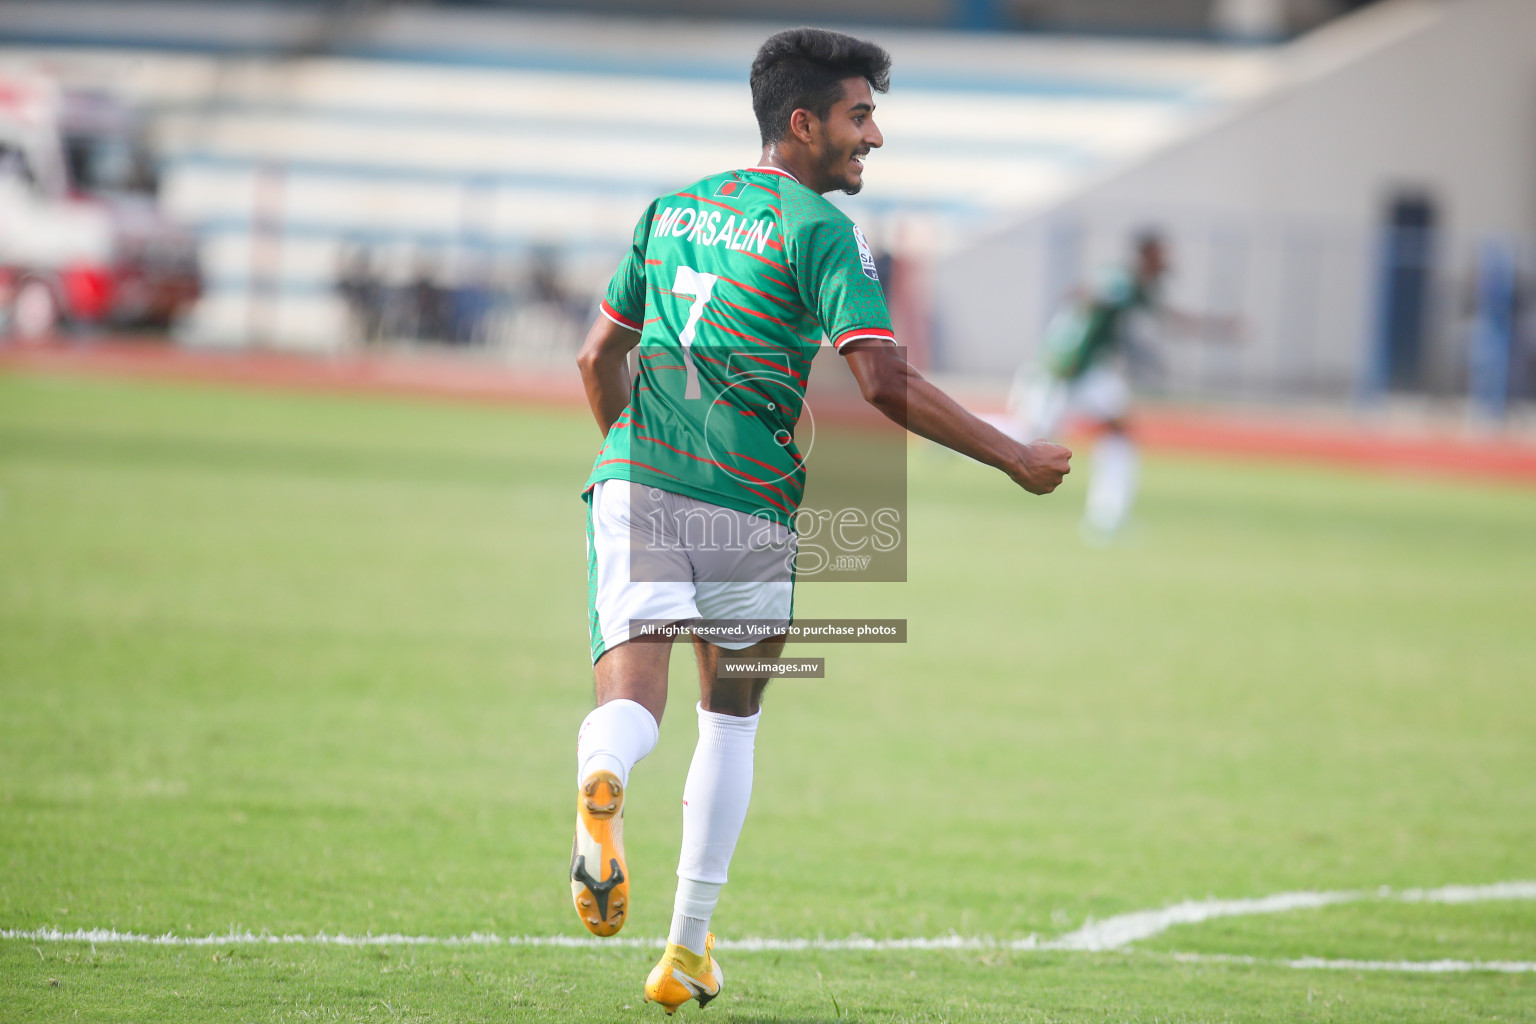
742 270
1083 374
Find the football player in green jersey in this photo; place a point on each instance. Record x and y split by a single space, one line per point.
727 290
1082 374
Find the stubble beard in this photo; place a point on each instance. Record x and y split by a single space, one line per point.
844 184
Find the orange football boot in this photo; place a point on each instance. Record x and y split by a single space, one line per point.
599 884
683 975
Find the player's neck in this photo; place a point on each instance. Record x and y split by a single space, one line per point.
790 163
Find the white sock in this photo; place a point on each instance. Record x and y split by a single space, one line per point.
715 800
691 911
615 737
1112 485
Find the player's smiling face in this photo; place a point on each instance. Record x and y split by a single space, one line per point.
841 141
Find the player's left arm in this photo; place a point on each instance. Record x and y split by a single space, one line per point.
892 385
604 363
1226 329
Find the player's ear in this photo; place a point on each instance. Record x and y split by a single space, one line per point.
800 125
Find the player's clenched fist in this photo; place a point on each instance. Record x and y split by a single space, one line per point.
1040 466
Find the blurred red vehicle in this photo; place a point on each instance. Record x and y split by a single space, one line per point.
83 240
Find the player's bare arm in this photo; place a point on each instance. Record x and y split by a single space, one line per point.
891 384
1225 329
1151 266
605 369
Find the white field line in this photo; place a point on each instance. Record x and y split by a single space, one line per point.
955 942
1109 934
1314 963
1124 929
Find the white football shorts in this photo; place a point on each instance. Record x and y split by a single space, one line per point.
657 557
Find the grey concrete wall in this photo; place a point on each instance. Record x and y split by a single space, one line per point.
1433 96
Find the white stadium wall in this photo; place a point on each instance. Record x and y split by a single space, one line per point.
1273 208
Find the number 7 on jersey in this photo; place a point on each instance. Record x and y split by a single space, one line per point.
701 286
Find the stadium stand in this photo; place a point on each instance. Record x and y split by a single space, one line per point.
463 142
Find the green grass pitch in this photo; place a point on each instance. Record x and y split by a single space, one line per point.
301 664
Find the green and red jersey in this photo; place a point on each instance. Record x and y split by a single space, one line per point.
732 283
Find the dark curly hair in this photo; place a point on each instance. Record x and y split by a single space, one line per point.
805 67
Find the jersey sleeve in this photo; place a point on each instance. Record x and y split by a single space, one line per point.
838 282
625 302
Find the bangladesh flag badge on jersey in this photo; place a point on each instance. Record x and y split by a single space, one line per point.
731 188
